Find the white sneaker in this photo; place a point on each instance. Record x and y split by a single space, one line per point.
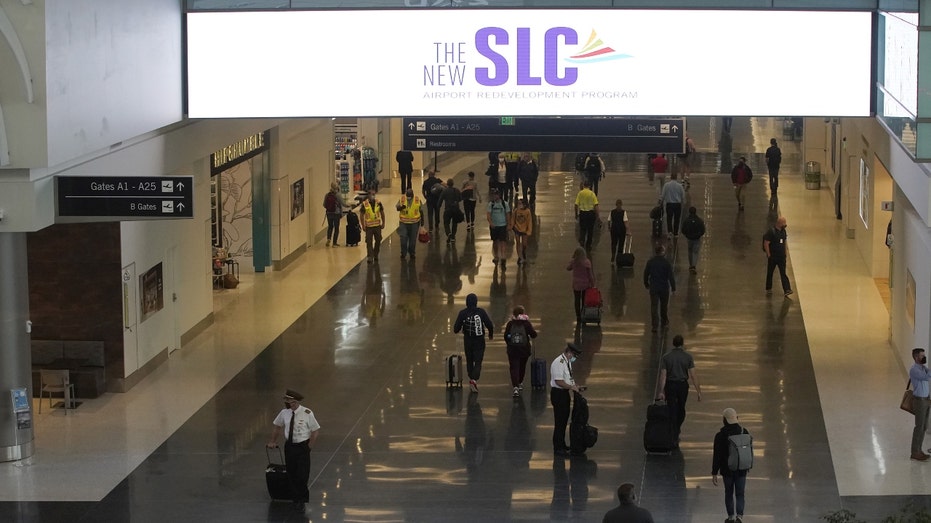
473 386
516 392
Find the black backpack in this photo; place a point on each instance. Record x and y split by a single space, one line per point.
516 336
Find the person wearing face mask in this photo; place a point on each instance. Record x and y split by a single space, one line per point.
561 384
372 217
774 245
410 219
919 376
300 428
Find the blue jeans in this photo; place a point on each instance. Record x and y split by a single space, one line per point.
408 233
734 485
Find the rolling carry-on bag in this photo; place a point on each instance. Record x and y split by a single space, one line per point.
453 367
591 306
625 258
537 372
353 230
658 435
276 477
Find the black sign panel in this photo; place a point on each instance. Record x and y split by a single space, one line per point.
127 198
571 134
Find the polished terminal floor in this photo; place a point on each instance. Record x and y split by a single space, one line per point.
813 378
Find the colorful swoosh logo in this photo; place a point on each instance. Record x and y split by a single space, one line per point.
595 50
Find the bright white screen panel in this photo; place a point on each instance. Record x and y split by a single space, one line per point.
528 63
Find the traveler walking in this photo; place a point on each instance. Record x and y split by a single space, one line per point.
686 159
660 164
919 375
474 322
672 196
410 220
452 214
333 204
470 196
594 171
773 160
372 218
583 277
677 368
528 173
617 224
517 335
627 511
586 212
561 384
522 223
659 279
499 218
774 245
498 176
735 481
693 228
405 161
740 177
300 428
432 189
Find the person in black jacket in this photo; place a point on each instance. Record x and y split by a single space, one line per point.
659 280
735 481
693 228
452 214
405 161
474 323
528 172
432 196
518 350
773 160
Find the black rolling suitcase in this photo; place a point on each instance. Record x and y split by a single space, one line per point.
537 372
658 435
582 436
656 222
276 477
353 230
625 259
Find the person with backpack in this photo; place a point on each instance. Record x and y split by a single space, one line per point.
517 335
594 171
333 205
500 223
693 228
733 458
773 159
473 322
432 190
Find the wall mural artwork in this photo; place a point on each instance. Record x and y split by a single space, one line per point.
236 208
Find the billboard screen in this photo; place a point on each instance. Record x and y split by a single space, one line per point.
528 63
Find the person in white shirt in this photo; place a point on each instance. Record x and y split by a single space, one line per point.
300 428
672 196
561 384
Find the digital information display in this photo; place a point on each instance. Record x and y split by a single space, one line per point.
128 197
621 135
530 62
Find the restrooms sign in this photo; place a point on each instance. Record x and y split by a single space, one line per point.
527 63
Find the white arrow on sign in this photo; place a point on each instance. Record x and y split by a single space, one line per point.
180 207
180 186
410 126
675 128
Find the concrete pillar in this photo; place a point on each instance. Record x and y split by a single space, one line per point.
16 434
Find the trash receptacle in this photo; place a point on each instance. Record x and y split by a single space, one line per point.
813 175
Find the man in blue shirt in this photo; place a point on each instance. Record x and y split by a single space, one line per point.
659 280
919 375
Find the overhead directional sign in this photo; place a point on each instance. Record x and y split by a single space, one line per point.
125 197
571 134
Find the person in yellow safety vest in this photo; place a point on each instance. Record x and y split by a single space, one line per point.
372 218
410 220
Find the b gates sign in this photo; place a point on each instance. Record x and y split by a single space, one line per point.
528 63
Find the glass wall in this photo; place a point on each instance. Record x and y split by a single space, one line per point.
897 75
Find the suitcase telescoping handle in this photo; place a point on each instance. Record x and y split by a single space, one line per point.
280 455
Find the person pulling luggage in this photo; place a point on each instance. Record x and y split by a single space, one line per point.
301 429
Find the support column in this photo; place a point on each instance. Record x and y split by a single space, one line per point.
16 435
